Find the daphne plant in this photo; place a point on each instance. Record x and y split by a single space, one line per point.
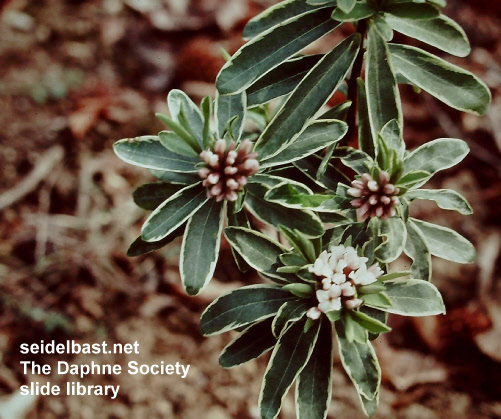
321 286
336 184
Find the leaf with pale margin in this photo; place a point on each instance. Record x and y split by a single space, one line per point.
175 177
289 357
454 86
274 214
394 235
417 249
292 197
314 383
269 49
360 363
445 198
258 250
393 137
250 344
282 80
140 247
413 297
176 144
148 152
200 247
436 155
290 312
228 107
243 306
412 11
359 12
173 212
355 159
446 243
364 127
442 33
318 135
346 5
309 96
151 195
276 15
186 113
383 97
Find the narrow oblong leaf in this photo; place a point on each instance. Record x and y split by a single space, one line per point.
282 80
364 126
383 97
346 5
393 137
315 137
310 95
367 322
275 15
413 11
186 113
151 195
200 247
360 363
358 12
250 344
394 235
436 155
445 198
176 144
442 33
355 159
243 306
413 297
446 243
266 51
291 197
175 177
274 214
289 357
454 86
228 107
148 152
417 249
258 250
173 212
140 247
290 312
314 383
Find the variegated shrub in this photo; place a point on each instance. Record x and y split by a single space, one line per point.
343 210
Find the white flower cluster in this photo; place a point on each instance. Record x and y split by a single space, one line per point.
341 271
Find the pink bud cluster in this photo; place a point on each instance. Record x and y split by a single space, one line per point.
374 198
227 169
340 271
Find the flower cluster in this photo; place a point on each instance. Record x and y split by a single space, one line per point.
374 199
227 169
341 270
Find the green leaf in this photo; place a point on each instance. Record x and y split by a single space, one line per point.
148 152
364 127
318 135
206 107
360 363
186 113
413 11
291 311
372 325
354 332
413 297
454 86
228 107
300 243
305 221
369 406
441 32
140 247
290 196
266 51
300 290
383 27
250 344
436 155
180 130
314 383
393 137
413 179
445 198
176 144
275 15
383 97
379 300
282 80
151 195
346 5
355 159
446 243
417 249
289 357
174 177
243 306
173 212
200 246
360 11
330 179
258 250
394 235
238 219
309 96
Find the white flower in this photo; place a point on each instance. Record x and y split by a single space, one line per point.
329 300
362 276
314 313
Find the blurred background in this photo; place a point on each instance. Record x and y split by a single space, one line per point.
75 76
